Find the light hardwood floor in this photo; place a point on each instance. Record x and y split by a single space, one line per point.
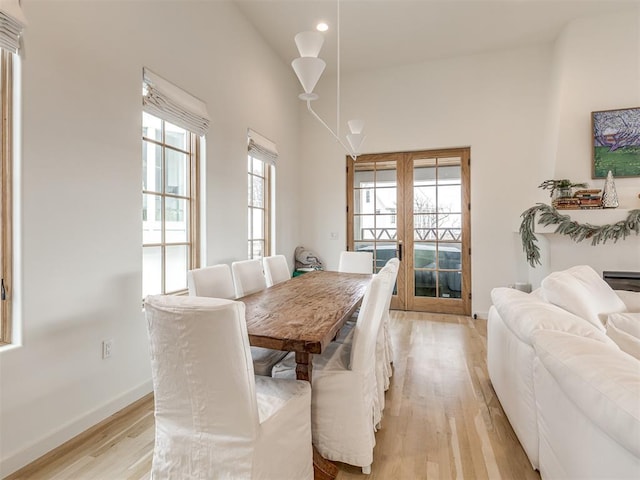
442 419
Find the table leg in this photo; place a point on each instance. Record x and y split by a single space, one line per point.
323 469
303 366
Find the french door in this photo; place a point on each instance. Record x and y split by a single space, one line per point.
415 205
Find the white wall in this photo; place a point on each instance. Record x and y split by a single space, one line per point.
598 68
524 113
80 234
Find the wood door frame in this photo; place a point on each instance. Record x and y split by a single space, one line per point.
398 301
405 300
459 306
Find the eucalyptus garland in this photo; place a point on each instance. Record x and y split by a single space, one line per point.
576 231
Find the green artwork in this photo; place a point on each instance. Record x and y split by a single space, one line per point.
616 143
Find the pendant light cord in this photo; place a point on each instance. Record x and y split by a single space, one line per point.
338 70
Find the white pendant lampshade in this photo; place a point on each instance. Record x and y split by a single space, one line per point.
356 125
355 140
309 43
308 70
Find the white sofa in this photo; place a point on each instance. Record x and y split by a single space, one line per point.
571 394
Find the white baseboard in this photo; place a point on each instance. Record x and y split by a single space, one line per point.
481 315
17 460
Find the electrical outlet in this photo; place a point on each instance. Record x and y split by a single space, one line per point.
107 348
333 235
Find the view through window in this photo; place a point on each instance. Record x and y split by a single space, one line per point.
169 205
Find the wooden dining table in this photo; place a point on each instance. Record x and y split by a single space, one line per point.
303 315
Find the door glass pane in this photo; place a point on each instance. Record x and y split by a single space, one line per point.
176 220
364 227
424 199
151 218
424 255
386 173
176 268
424 258
425 285
449 256
424 227
364 200
363 174
449 284
176 173
151 270
449 174
382 254
449 198
364 247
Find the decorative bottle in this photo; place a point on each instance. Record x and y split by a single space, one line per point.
609 194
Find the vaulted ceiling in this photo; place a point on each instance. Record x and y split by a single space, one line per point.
387 33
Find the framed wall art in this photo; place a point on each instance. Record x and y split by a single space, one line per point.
616 143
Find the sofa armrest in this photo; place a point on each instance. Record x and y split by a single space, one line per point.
599 379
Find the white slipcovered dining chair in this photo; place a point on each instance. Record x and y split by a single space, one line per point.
248 277
220 422
384 353
344 392
276 269
216 281
384 350
213 281
355 262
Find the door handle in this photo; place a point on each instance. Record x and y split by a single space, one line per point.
400 250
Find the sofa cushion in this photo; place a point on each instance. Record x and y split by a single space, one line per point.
602 381
581 291
624 329
630 299
524 313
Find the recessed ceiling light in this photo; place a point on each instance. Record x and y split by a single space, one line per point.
322 27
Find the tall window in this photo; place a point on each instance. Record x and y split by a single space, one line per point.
258 214
261 163
6 264
173 123
169 205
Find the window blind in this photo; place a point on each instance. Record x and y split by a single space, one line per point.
12 22
169 102
262 148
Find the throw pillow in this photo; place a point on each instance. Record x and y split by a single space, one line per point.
581 291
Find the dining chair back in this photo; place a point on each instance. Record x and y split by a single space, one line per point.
248 277
214 420
213 281
344 387
355 262
216 281
384 351
276 269
365 335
